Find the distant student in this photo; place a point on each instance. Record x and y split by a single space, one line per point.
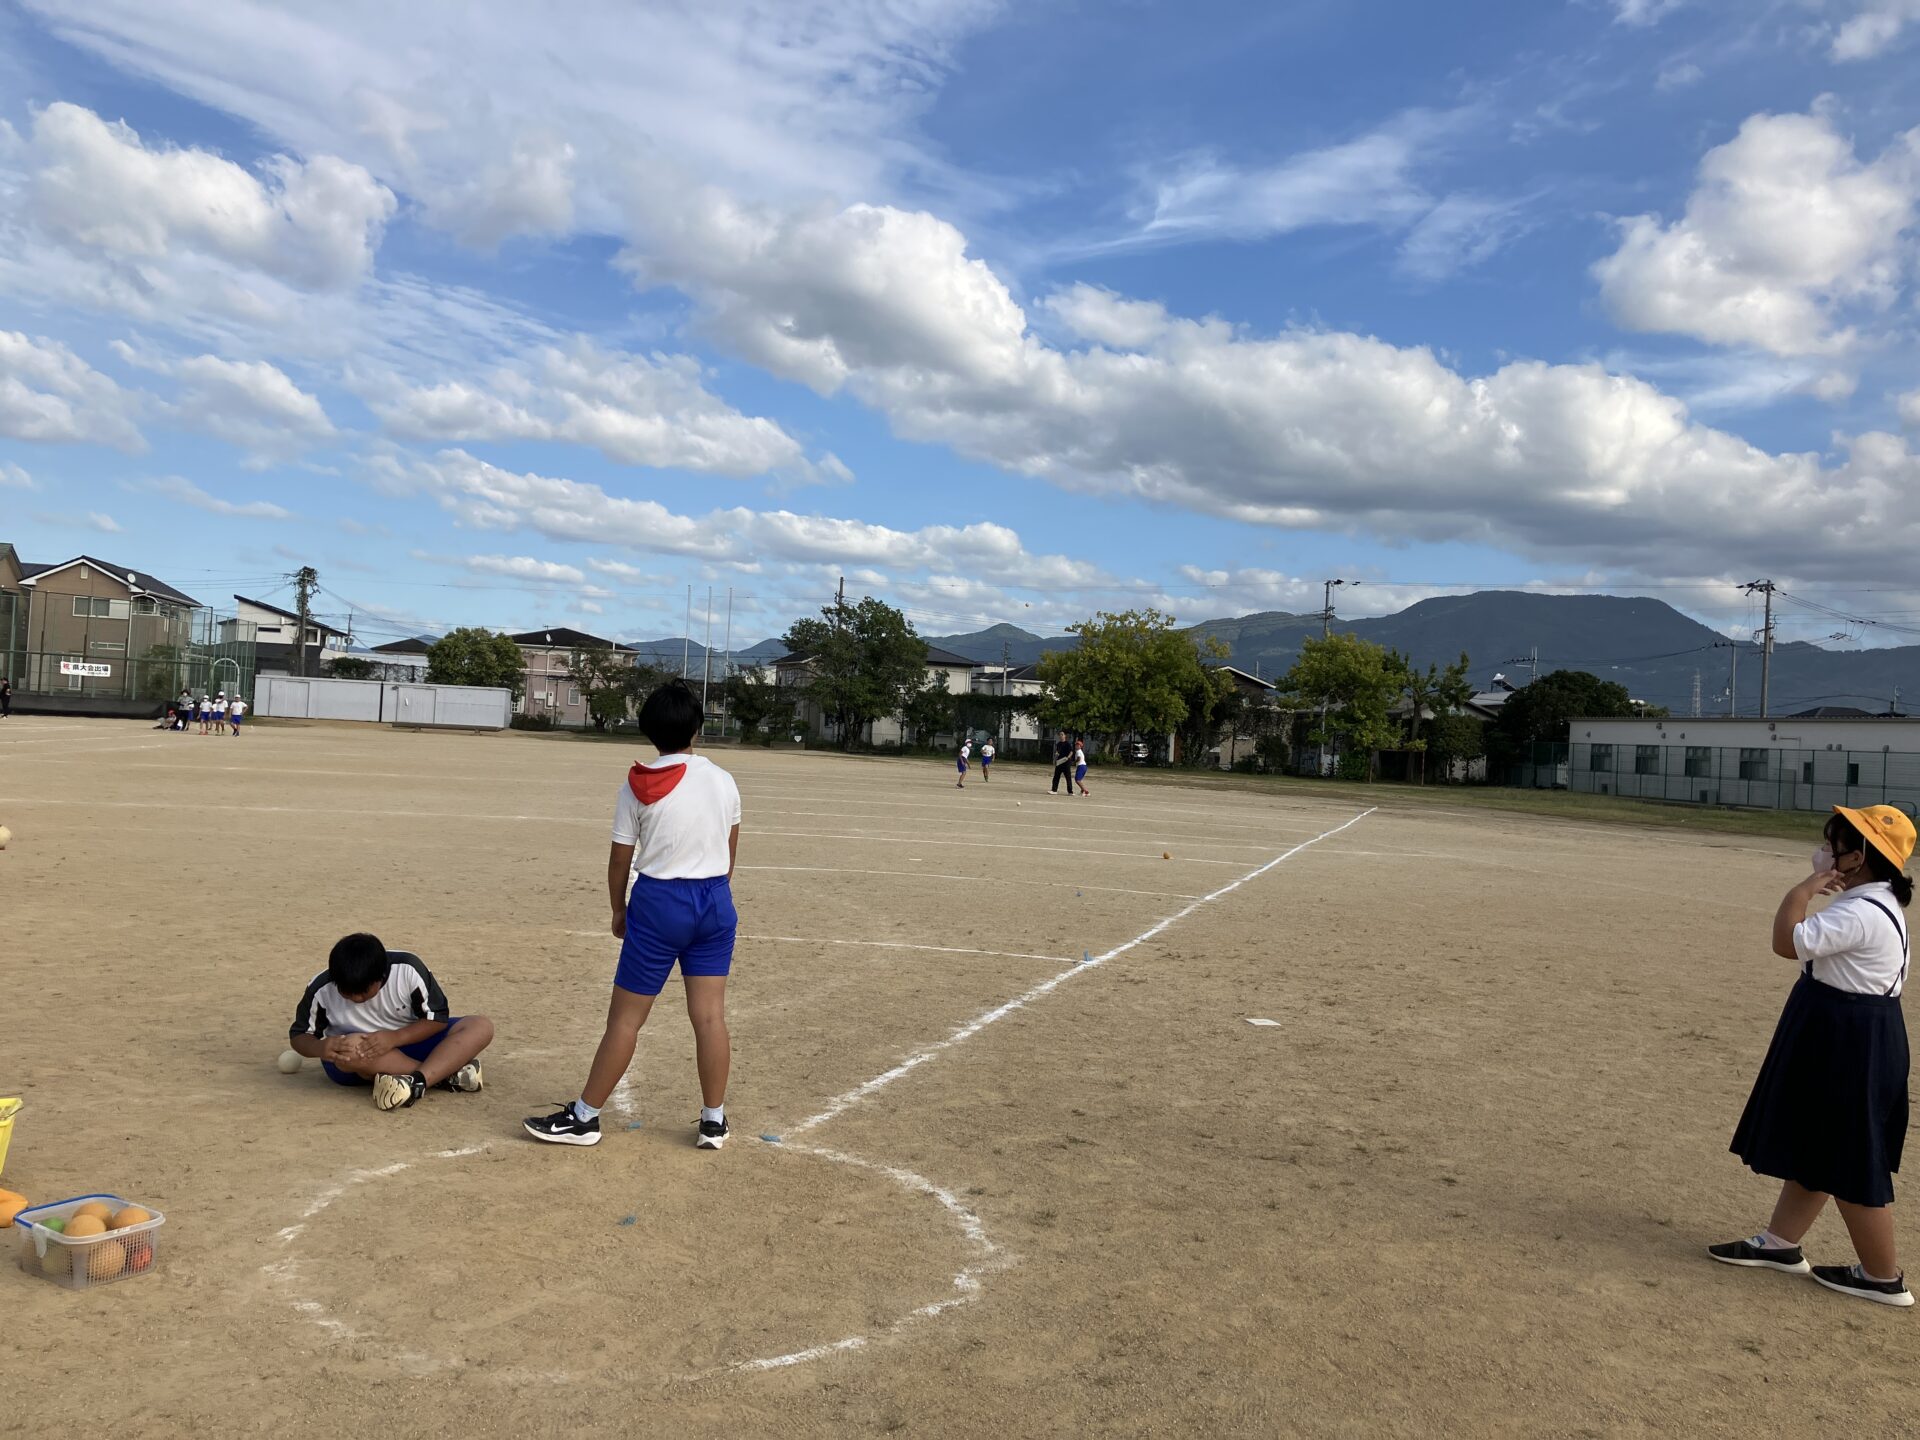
677 824
183 710
6 696
1828 1113
986 761
1080 765
377 1017
1062 763
203 712
220 713
236 712
966 749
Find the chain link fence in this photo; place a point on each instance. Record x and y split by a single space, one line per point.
1771 777
133 658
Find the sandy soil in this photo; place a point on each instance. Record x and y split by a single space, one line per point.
1462 1185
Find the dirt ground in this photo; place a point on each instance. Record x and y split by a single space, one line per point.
1463 1185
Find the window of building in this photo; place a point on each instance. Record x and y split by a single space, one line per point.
1853 774
1806 772
1646 759
1753 762
1699 762
573 695
92 605
111 647
1600 757
146 605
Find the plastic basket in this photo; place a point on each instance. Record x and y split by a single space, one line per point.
91 1260
8 1109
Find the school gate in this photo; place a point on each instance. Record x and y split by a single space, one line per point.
382 702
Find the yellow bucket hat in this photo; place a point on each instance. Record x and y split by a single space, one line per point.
1885 828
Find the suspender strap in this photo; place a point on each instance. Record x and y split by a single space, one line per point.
1906 949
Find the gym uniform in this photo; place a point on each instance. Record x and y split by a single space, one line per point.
410 993
1829 1109
1080 765
986 759
678 814
960 760
236 713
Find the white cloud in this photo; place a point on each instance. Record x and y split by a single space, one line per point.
487 497
525 567
1874 28
248 403
633 409
185 492
105 524
98 186
1786 237
1642 12
1679 76
1094 313
12 477
1909 404
1460 232
47 393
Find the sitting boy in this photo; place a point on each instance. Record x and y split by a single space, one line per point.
377 1016
676 829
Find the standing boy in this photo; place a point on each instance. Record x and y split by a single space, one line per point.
966 749
220 713
236 712
377 1017
676 828
1080 765
986 761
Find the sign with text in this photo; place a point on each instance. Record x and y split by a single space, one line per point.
85 667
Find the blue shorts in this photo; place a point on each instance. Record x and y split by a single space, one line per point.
235 720
419 1050
1080 773
689 921
962 765
985 760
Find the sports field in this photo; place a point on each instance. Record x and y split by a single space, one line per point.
1035 1172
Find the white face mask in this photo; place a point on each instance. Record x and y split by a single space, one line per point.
1823 860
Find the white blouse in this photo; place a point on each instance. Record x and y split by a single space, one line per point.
1857 944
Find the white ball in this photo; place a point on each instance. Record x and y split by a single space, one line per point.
1018 803
289 1061
5 836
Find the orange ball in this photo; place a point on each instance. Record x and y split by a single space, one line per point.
106 1260
94 1207
132 1215
83 1225
139 1255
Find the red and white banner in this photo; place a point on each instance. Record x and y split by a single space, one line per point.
85 667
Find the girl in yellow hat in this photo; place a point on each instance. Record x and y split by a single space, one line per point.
1828 1114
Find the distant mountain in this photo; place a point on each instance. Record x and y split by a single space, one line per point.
989 646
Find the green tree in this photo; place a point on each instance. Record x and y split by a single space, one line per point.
1542 710
1132 674
1454 738
1350 683
1433 689
866 661
755 702
928 711
607 683
1213 703
473 656
351 667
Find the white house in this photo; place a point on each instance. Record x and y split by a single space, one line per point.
1787 762
1021 680
953 673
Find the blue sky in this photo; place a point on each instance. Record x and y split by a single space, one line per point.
1005 312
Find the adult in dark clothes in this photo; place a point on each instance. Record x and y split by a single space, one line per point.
6 698
1062 763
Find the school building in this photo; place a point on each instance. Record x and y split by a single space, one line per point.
1791 762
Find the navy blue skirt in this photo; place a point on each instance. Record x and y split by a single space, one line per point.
1829 1109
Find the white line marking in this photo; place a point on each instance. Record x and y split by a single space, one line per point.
973 1027
903 945
1256 1020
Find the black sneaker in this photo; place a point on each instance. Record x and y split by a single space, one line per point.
563 1127
1752 1253
713 1134
1849 1280
397 1092
467 1080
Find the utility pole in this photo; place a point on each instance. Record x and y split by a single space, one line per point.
1006 689
1326 605
706 664
726 662
305 582
1732 647
686 636
1696 694
1531 660
1764 588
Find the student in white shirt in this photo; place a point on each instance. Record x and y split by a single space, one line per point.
220 713
676 830
236 712
1080 765
986 761
960 760
1828 1113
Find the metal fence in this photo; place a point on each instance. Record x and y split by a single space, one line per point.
1772 777
134 658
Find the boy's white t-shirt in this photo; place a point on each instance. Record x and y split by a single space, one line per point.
238 708
679 831
219 707
1079 755
411 993
986 751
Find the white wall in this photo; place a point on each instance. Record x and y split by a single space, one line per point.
1898 736
376 701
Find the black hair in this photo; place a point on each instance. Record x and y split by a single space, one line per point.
671 717
358 963
1844 838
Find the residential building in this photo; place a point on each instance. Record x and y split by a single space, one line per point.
1023 730
1788 763
1259 696
89 630
401 660
551 665
274 630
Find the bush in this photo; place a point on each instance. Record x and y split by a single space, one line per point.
540 720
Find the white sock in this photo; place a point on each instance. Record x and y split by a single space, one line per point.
717 1114
1770 1241
583 1111
1877 1279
